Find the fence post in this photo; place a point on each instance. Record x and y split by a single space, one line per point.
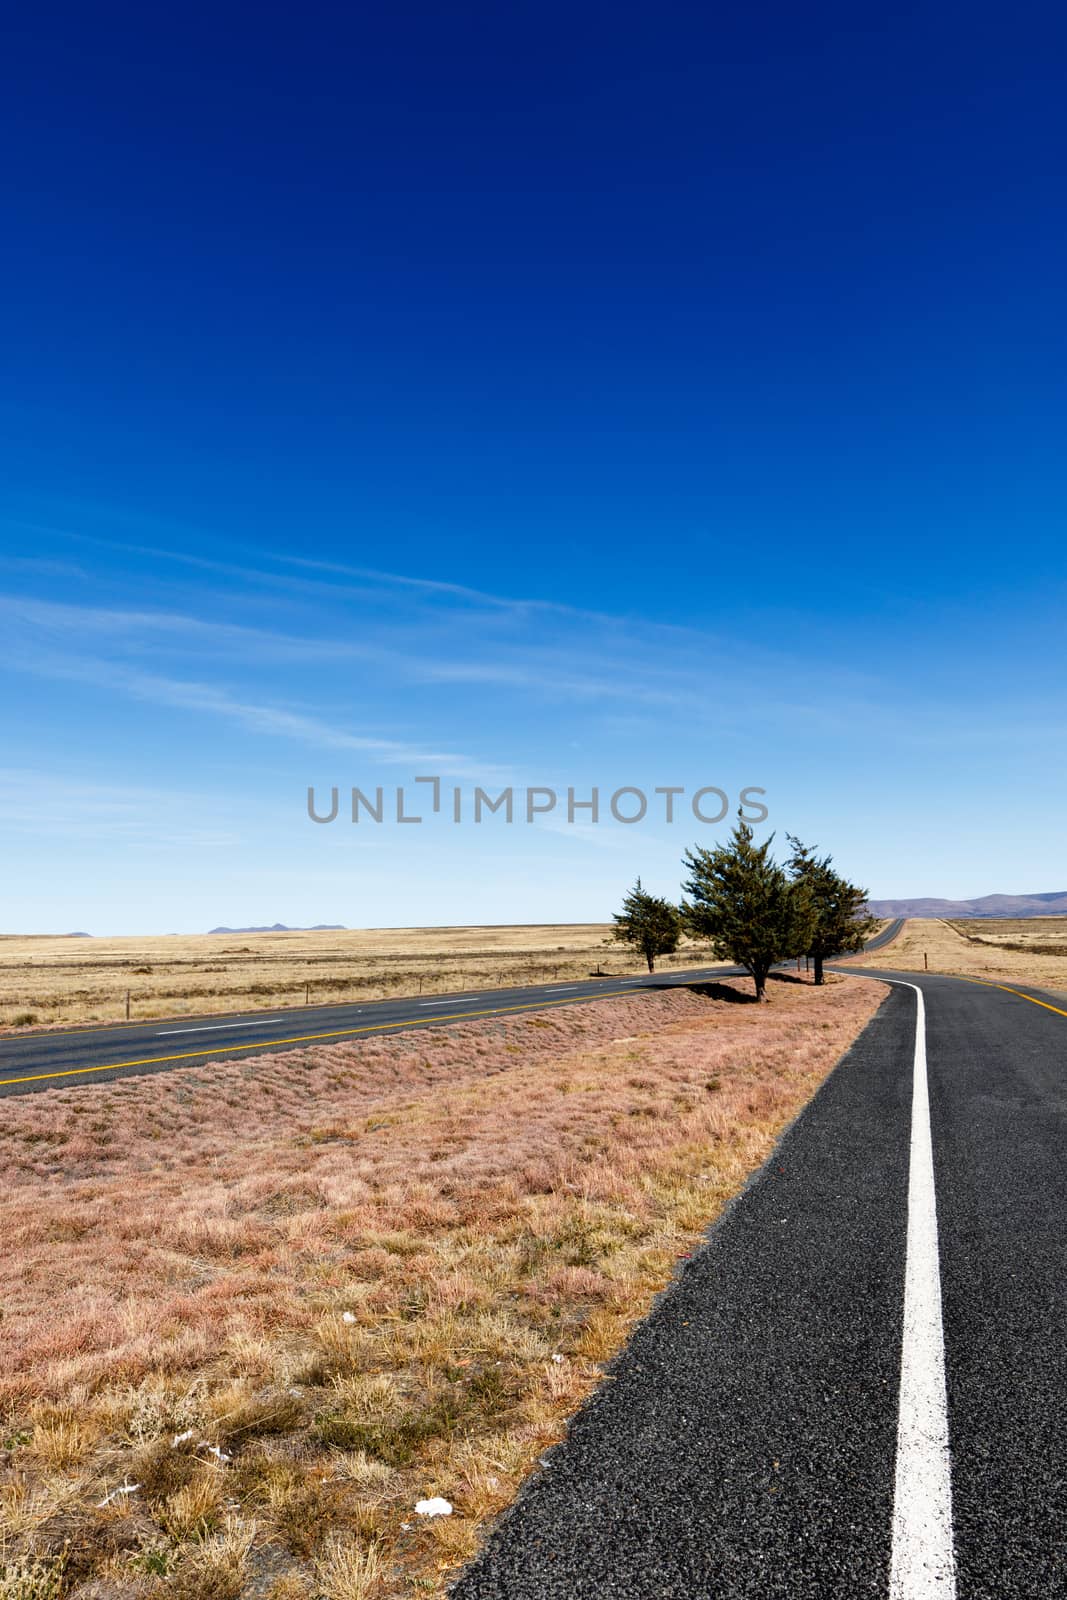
307 994
926 964
127 1005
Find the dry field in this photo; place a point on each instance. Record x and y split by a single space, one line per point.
252 1314
1031 950
63 979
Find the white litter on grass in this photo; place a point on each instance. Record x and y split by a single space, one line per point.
123 1488
557 1358
348 1316
181 1438
214 1450
435 1507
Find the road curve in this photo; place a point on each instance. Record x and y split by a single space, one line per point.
50 1060
748 1445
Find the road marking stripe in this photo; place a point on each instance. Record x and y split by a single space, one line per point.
464 1000
219 1027
923 1561
564 988
302 1038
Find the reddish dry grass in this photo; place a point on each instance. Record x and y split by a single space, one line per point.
351 1269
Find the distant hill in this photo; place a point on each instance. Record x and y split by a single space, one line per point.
281 927
1053 904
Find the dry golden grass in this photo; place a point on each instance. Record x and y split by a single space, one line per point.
252 1314
61 980
1028 950
347 1570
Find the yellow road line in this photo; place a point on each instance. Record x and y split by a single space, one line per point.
989 984
304 1038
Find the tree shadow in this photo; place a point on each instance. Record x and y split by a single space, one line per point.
719 991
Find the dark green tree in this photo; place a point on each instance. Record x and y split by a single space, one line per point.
739 898
652 924
840 922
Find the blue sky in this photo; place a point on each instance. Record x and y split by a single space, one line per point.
545 395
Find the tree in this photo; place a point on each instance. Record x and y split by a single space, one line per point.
744 903
840 921
652 924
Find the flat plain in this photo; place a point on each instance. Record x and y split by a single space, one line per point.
1027 950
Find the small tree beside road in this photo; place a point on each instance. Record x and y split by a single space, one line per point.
739 898
652 924
840 922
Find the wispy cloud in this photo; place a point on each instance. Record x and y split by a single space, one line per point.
439 586
548 670
629 633
608 654
257 716
536 650
60 805
251 568
706 690
113 624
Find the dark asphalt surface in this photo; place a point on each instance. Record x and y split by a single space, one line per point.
886 936
745 1445
998 1090
51 1060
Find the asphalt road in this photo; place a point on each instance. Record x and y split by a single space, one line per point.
776 1427
886 936
50 1060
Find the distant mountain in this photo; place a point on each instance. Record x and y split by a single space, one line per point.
281 927
78 936
1053 904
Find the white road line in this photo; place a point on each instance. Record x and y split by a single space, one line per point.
565 989
218 1027
466 1000
923 1565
